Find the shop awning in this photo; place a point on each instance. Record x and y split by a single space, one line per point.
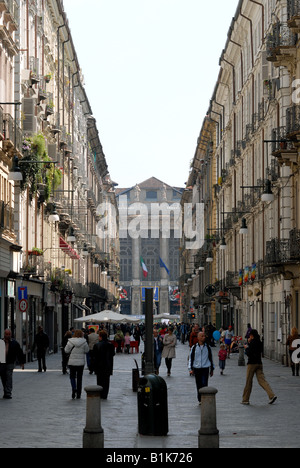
65 247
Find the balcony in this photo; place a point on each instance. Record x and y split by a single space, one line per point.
281 45
283 148
293 22
6 220
12 136
10 10
1 125
284 254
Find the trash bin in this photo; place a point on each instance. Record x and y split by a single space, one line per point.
153 406
135 378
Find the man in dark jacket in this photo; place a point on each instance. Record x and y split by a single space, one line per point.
41 343
103 362
13 352
254 351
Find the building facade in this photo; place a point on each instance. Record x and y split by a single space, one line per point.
148 235
52 255
252 232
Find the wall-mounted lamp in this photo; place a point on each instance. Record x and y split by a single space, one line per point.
244 229
71 237
268 195
15 173
209 258
223 245
54 217
85 251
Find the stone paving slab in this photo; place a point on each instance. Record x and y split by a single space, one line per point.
43 415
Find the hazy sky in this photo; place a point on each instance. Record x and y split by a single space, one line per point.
150 68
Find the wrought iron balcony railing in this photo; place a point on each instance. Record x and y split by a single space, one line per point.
283 251
283 146
6 217
293 121
293 10
280 43
1 124
12 135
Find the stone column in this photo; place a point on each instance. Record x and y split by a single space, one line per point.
208 434
93 435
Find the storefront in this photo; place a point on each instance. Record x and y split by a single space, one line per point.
30 313
9 255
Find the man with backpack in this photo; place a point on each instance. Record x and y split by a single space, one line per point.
201 363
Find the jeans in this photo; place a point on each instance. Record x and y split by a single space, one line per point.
157 359
6 373
76 374
201 376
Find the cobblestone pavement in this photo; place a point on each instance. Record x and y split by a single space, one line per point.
43 415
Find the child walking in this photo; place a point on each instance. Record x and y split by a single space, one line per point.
127 342
222 358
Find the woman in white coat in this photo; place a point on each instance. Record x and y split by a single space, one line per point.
77 348
169 352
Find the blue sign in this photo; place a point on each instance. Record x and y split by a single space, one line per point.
22 293
155 294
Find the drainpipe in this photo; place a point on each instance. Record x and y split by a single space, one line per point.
251 34
242 60
219 124
233 73
263 19
63 71
58 71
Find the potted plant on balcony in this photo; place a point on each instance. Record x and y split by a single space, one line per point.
38 176
50 108
36 252
48 77
56 278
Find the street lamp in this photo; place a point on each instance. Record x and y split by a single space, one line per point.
85 251
223 245
15 173
268 195
244 229
210 258
54 217
71 237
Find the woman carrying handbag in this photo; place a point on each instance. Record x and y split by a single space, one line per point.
169 352
77 348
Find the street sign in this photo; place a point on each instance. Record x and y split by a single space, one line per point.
22 293
2 352
210 290
224 301
23 305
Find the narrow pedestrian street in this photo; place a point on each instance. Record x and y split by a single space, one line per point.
43 415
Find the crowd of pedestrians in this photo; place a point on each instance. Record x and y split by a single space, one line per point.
93 346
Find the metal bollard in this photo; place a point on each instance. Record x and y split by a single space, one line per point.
241 361
208 434
93 435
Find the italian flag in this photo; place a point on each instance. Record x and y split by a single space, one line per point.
145 271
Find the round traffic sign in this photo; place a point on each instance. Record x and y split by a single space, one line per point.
23 306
